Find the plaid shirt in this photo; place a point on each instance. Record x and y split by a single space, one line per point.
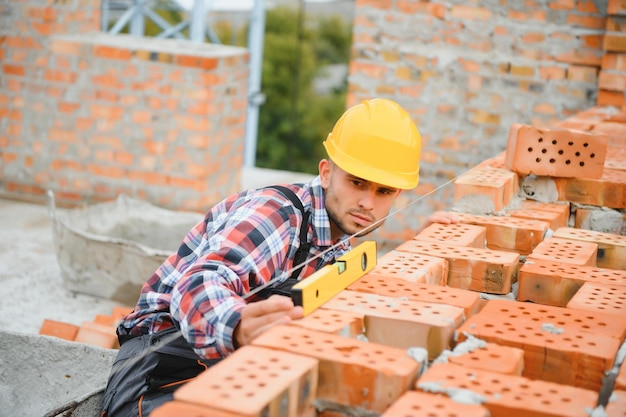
243 242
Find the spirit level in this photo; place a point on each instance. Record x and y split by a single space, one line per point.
321 286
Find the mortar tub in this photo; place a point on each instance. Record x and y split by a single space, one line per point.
48 376
110 249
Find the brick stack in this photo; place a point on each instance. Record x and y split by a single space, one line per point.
98 332
515 311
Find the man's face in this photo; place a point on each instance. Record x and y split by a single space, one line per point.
353 204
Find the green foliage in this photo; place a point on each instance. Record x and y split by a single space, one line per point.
333 41
295 119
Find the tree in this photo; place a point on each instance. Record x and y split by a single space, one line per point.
294 120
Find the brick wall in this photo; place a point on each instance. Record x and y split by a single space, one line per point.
467 70
90 115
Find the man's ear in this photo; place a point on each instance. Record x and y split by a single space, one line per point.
325 168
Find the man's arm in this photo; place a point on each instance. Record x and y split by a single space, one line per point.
260 316
248 248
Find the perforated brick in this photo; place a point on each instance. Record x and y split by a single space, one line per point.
393 287
555 152
508 395
255 381
416 403
492 188
565 250
611 251
342 323
554 283
608 191
482 270
507 233
351 372
560 345
402 323
493 358
459 234
413 267
600 297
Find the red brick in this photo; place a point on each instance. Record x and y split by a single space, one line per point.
507 395
568 346
391 286
616 7
402 323
482 270
555 220
490 357
342 323
555 152
612 81
581 56
491 187
509 234
611 61
351 372
255 380
415 403
553 283
196 62
459 234
556 249
413 267
600 297
470 13
59 329
10 69
614 42
111 52
610 98
608 191
562 210
611 252
97 335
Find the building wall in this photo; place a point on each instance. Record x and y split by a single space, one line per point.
91 115
467 70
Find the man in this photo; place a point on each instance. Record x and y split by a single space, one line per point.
193 311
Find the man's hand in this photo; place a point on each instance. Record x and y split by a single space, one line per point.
259 316
443 217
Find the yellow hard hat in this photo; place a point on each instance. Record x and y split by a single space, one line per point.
377 141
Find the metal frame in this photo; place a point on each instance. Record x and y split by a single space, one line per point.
135 12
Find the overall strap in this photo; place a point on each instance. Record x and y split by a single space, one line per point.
284 288
305 245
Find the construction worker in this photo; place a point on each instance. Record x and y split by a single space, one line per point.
191 313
